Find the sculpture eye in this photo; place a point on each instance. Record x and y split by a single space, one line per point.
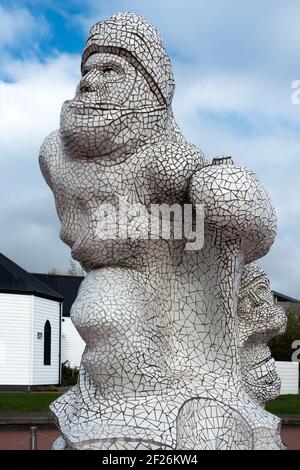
109 70
84 72
262 290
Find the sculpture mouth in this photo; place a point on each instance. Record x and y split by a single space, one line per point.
99 107
259 358
266 360
90 106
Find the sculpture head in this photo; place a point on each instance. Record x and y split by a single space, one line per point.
259 319
123 100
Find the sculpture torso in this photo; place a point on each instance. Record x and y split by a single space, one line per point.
158 174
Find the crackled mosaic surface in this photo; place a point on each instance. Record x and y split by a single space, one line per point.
170 362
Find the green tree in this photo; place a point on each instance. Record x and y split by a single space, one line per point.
281 346
53 271
74 270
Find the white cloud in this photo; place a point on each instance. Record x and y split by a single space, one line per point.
242 92
29 109
19 27
283 263
30 103
220 33
30 231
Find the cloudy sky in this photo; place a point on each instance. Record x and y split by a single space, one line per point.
234 64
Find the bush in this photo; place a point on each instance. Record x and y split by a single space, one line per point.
69 376
281 346
47 388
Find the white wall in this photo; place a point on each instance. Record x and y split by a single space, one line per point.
72 345
15 339
43 310
289 375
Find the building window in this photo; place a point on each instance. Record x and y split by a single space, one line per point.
47 344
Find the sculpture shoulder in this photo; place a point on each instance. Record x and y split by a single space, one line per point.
166 169
49 155
168 155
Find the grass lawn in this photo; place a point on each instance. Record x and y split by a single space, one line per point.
26 402
285 405
30 402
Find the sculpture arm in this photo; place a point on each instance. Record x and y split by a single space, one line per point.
236 207
49 156
51 163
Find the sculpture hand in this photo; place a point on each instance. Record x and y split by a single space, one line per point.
236 206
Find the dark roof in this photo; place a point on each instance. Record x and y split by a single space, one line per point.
67 286
284 298
14 279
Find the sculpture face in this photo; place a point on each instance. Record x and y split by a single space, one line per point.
159 321
111 82
259 320
110 114
122 101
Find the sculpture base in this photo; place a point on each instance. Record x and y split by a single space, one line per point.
182 420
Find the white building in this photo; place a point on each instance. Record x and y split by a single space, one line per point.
289 376
30 329
72 345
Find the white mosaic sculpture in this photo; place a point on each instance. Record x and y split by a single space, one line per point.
161 368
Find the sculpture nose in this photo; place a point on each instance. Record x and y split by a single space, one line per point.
85 86
88 82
